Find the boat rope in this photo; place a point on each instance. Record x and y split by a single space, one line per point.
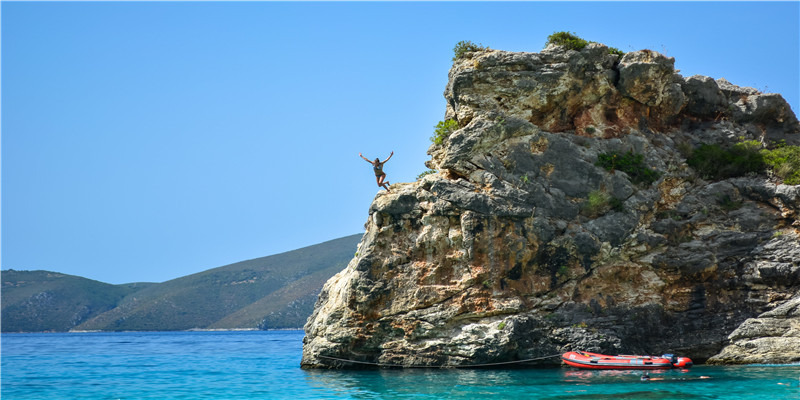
440 366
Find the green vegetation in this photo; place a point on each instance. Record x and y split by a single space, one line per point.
568 40
600 202
629 163
37 301
614 50
671 214
713 161
465 46
273 292
573 42
501 325
424 173
727 204
442 130
784 162
596 202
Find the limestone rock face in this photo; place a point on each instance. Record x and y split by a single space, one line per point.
521 246
650 79
772 337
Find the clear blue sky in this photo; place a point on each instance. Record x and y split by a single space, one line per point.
146 141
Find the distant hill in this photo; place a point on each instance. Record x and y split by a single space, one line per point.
40 301
273 292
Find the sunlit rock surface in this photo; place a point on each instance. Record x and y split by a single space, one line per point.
502 256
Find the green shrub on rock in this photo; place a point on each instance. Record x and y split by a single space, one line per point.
629 163
713 161
600 202
442 130
567 39
596 201
425 173
726 203
465 46
614 50
716 162
784 162
573 42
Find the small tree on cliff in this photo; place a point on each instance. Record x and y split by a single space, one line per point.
465 46
573 42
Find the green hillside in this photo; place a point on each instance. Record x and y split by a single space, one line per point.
36 301
271 292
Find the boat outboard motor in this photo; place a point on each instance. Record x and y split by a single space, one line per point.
683 362
678 362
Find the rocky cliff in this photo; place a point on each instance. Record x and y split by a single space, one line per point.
531 239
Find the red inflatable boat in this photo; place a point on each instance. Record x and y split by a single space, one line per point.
582 359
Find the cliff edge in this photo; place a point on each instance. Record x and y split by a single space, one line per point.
564 214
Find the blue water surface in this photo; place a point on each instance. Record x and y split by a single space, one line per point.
265 365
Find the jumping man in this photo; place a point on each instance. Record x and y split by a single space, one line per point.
377 167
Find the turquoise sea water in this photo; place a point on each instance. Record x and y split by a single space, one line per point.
265 365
